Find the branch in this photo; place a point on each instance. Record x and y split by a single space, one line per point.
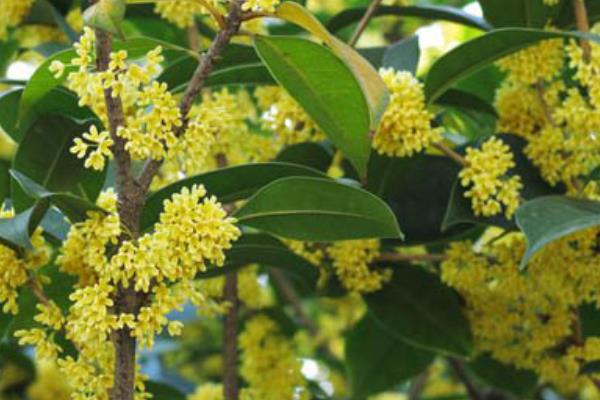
451 153
417 385
362 25
220 42
461 374
230 359
289 293
583 25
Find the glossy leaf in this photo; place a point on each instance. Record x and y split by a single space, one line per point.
15 232
519 382
403 55
228 184
373 87
429 12
309 154
465 101
74 208
44 12
316 209
9 110
547 219
566 17
477 53
106 15
43 156
377 360
161 391
419 309
340 110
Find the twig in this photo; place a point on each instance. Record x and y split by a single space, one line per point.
583 25
450 153
399 257
461 374
362 25
289 293
230 359
196 84
213 12
417 385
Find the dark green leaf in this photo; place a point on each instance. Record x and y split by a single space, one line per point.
547 219
8 49
43 156
43 9
312 155
517 13
465 101
228 184
519 382
4 181
403 55
10 352
9 110
161 391
377 360
417 189
74 208
477 53
16 231
443 13
316 209
566 17
341 110
419 309
590 368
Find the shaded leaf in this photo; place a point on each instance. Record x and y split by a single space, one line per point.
312 155
403 55
522 13
521 383
377 360
419 309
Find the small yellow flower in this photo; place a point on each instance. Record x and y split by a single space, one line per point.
57 68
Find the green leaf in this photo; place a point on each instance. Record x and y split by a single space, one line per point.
519 382
566 17
419 309
547 219
107 15
9 110
74 208
466 101
459 207
14 354
316 209
15 232
45 10
443 13
521 13
228 184
377 360
42 81
327 90
403 55
4 181
417 189
477 53
8 49
592 367
43 156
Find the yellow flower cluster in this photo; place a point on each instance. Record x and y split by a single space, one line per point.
49 384
269 364
351 261
529 318
208 391
250 292
490 189
17 270
193 231
182 12
151 112
284 116
30 36
538 63
12 13
260 5
405 127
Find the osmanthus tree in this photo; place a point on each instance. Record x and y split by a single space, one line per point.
312 201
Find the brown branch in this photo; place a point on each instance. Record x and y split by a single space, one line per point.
417 385
230 355
583 25
362 25
451 153
459 370
220 42
289 293
399 257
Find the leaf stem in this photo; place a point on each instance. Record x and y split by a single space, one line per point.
362 25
